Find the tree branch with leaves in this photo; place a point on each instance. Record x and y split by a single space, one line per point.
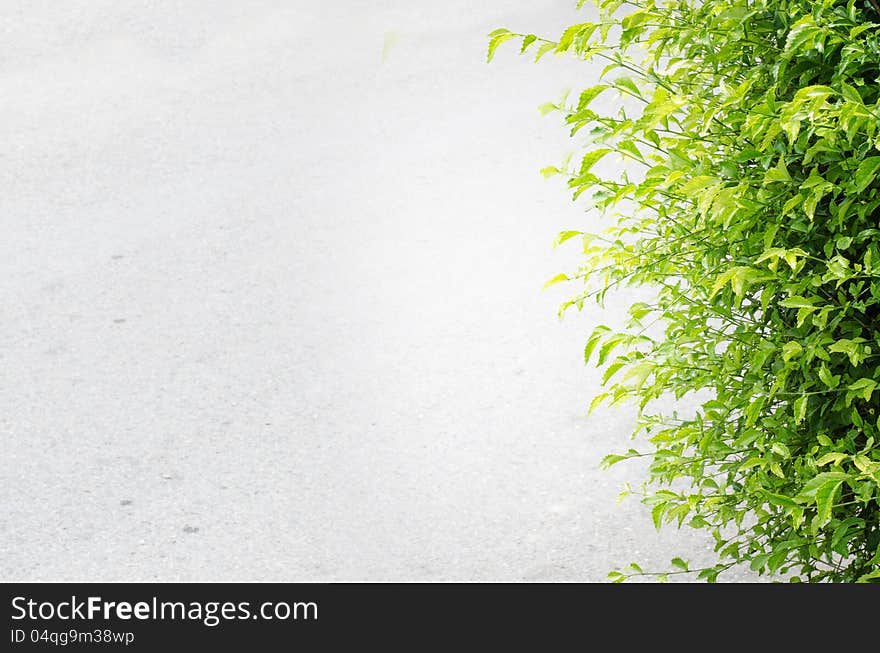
748 199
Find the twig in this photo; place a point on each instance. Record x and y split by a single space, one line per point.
876 5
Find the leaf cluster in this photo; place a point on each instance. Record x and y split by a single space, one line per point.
750 201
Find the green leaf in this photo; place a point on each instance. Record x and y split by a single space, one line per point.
612 369
527 41
595 338
739 278
628 85
866 173
781 500
610 344
564 236
820 480
639 373
870 577
596 402
800 408
832 457
582 30
791 350
680 564
497 38
780 449
825 496
698 183
759 562
544 48
864 388
611 459
829 379
790 256
777 173
657 514
740 249
849 93
864 464
640 309
590 94
629 148
554 280
799 302
616 576
849 347
592 158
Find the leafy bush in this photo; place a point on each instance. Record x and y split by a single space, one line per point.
750 203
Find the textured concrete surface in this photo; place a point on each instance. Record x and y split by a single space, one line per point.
270 290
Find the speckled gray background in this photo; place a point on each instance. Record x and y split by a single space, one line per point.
271 300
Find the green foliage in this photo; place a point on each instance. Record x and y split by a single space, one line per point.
750 202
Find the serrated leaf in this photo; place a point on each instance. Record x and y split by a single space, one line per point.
597 401
594 339
500 37
554 280
639 373
527 41
592 158
790 256
582 30
639 310
611 370
543 49
628 85
564 236
590 94
629 148
657 514
611 459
